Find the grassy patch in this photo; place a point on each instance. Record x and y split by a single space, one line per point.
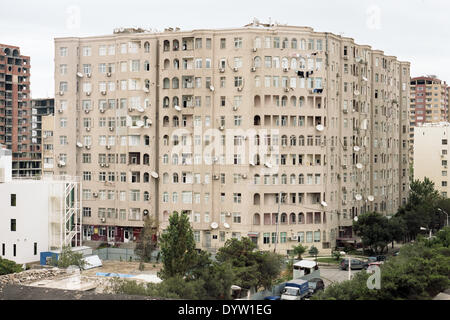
328 260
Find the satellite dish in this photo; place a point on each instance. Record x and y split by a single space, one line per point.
359 165
365 79
140 123
358 197
79 74
62 163
355 218
356 148
370 198
177 108
154 175
214 225
319 127
323 203
226 225
356 93
79 144
268 165
252 164
140 109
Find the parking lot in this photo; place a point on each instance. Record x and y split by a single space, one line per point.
333 274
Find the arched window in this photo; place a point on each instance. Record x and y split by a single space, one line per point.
146 47
303 44
166 83
166 102
283 101
301 141
146 140
175 121
146 65
256 219
257 62
256 179
302 64
166 137
166 63
283 140
175 178
283 179
176 45
257 140
285 43
165 121
285 63
165 178
292 179
146 159
166 45
146 177
166 213
256 199
175 159
283 218
176 64
257 101
301 218
293 64
257 120
293 101
256 160
175 101
175 83
301 179
175 140
294 43
292 218
301 102
146 196
165 159
293 140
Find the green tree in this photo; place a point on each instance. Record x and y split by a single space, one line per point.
314 252
177 247
373 228
270 266
68 258
8 266
147 242
299 250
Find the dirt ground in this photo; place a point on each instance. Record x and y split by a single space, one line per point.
124 268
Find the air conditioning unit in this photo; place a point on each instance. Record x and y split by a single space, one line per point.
286 89
216 177
86 110
345 111
103 220
88 93
344 148
106 165
228 214
102 110
88 147
338 176
244 176
235 69
130 109
294 238
221 128
345 57
104 92
344 166
88 75
235 108
88 129
108 74
221 70
108 147
344 202
102 165
60 110
239 89
285 69
61 93
255 49
111 128
253 69
95 194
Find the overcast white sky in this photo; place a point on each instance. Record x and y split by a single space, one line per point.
414 30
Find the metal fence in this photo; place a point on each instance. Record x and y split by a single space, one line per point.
120 254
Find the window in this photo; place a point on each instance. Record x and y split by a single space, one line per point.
13 200
13 225
238 43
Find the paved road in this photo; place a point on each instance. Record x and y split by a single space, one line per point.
334 274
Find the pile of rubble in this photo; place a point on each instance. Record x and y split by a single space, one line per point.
29 276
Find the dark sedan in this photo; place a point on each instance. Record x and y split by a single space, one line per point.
356 264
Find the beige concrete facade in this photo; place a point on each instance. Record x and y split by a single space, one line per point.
238 118
431 146
48 144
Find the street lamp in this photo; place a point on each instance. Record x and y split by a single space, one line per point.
425 229
445 213
348 256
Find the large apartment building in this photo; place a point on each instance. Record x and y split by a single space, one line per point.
429 103
277 133
15 111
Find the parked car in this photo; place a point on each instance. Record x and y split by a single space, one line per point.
372 265
381 258
356 264
372 259
315 284
272 298
296 289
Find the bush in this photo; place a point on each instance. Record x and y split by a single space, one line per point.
8 266
69 258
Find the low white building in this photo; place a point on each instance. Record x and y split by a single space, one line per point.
431 154
37 215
